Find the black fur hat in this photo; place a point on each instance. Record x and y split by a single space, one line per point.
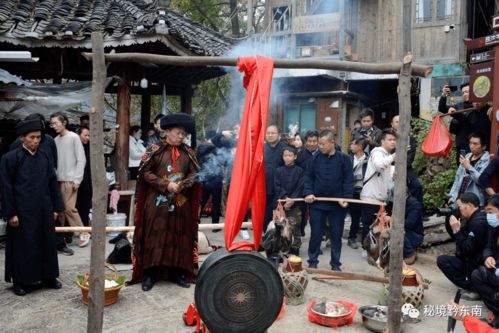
181 120
27 126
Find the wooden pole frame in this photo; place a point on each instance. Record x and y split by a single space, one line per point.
349 66
405 70
99 197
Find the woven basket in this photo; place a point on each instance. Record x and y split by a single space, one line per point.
110 294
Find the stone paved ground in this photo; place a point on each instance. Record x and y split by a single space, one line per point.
160 310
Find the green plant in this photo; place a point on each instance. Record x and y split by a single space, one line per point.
436 183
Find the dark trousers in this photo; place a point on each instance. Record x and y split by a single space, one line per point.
59 237
486 284
318 219
456 270
304 208
83 204
355 215
215 191
368 217
270 205
411 242
414 186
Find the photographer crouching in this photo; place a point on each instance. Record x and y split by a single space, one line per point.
485 279
470 237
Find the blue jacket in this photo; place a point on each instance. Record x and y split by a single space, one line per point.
272 159
288 181
329 176
304 157
474 173
413 216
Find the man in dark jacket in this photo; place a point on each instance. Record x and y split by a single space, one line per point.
490 171
273 159
311 149
413 227
329 174
463 124
486 279
30 204
47 145
470 238
213 157
304 156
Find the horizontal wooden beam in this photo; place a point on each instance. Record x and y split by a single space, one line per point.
201 227
360 67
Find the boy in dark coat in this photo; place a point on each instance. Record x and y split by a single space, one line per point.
288 184
25 173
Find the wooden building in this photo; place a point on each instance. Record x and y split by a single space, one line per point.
367 31
57 32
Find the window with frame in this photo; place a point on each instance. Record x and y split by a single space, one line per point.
281 18
445 9
424 11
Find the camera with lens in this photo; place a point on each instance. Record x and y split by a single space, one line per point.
453 209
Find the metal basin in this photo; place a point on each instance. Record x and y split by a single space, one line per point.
374 317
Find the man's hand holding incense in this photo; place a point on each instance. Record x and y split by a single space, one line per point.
14 221
174 187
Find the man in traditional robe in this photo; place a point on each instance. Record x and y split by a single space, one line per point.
167 208
27 173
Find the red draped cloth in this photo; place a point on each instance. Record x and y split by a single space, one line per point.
248 174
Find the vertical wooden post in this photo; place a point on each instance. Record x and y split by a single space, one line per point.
342 34
122 136
249 21
397 232
145 113
99 197
186 100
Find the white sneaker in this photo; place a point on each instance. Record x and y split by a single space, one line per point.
245 235
364 254
84 239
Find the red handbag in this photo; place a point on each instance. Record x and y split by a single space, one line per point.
438 142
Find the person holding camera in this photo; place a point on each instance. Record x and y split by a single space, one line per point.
463 124
470 168
470 237
485 279
368 131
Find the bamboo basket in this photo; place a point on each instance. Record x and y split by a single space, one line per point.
110 294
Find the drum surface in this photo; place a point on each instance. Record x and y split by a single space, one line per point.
238 292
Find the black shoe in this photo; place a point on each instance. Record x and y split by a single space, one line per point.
336 268
180 281
147 283
52 284
18 290
68 239
66 251
312 265
117 238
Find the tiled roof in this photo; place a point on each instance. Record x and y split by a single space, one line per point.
69 23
